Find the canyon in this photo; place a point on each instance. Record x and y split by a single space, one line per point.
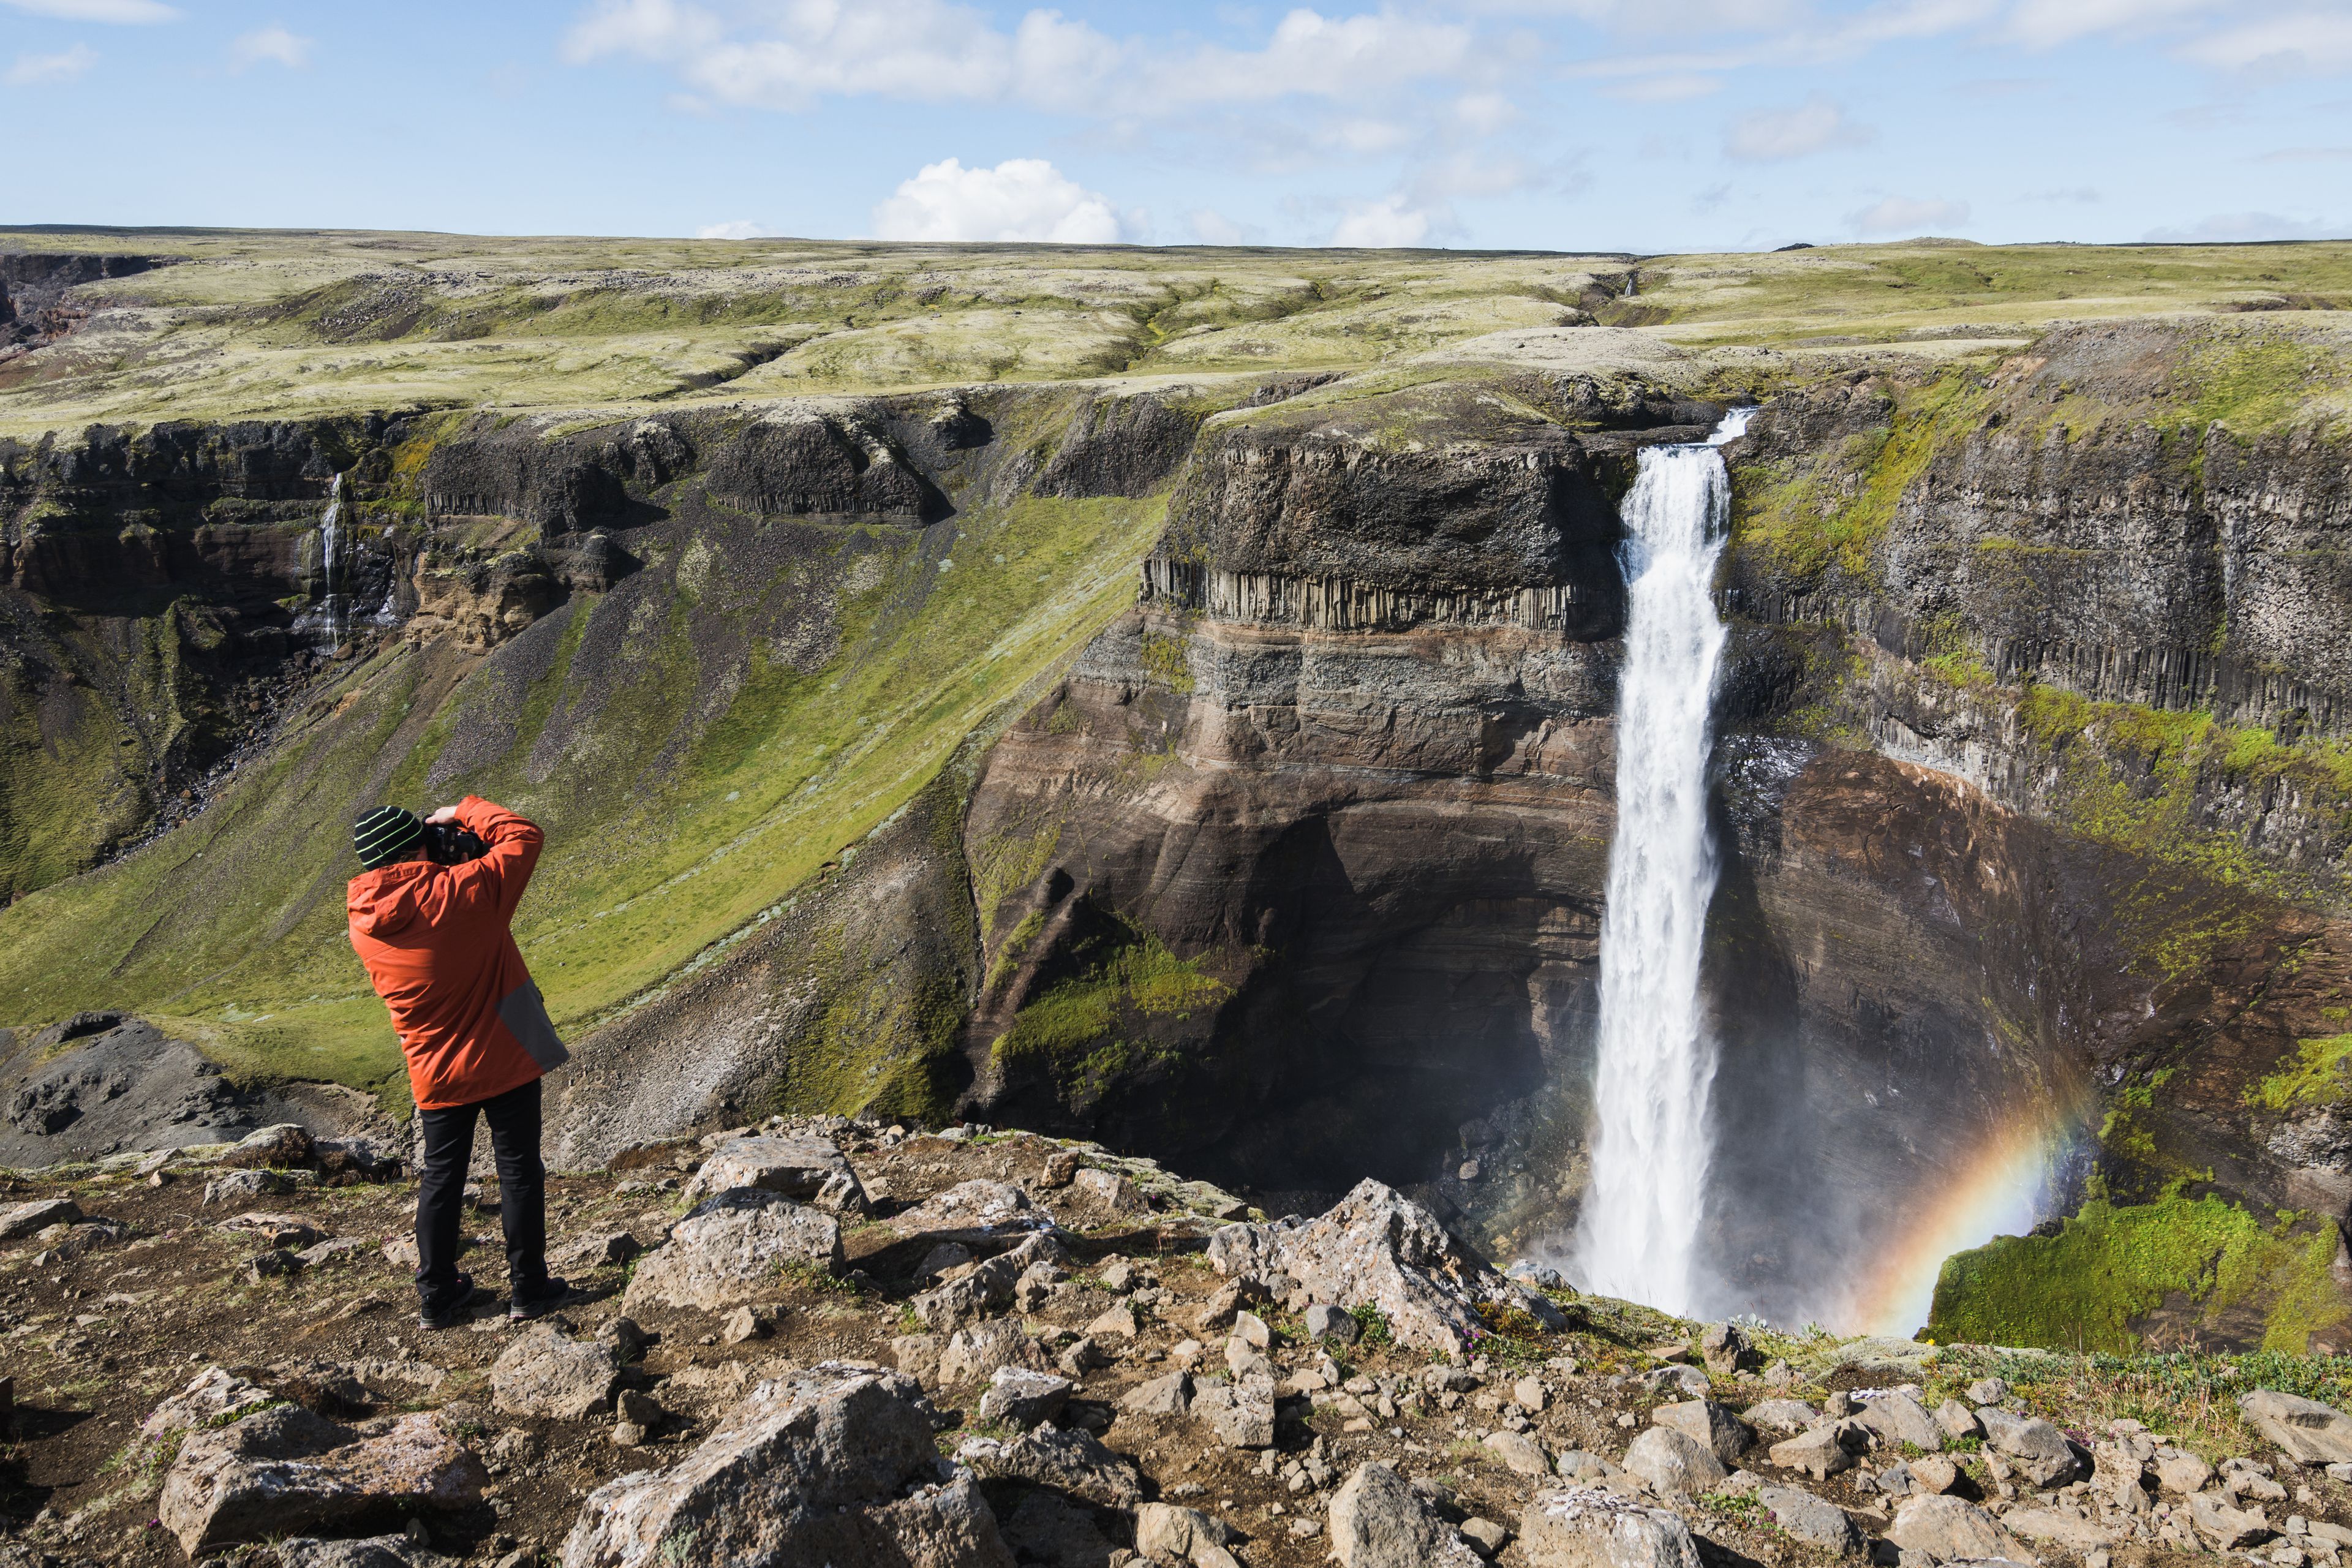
1199 733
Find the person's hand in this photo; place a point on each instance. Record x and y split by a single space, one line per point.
445 814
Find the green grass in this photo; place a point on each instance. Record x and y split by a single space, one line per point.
256 323
2093 1286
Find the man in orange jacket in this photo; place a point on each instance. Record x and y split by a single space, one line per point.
432 928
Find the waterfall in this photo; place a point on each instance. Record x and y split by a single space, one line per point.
331 596
1638 1238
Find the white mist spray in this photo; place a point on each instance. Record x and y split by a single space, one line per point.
1638 1235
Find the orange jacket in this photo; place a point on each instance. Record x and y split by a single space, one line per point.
435 943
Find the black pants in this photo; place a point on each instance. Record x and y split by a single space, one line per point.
522 1190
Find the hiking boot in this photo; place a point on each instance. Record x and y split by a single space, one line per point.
455 1309
523 1305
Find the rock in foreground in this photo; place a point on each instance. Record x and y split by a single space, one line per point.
833 1464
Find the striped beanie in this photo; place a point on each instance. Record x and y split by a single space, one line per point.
383 835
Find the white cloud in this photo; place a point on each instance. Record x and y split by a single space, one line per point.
1020 199
1674 87
32 70
1769 135
790 55
738 229
128 12
1366 137
1484 113
274 45
1210 226
2044 24
2225 228
2309 41
1380 224
1907 215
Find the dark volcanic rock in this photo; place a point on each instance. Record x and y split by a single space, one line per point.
128 1086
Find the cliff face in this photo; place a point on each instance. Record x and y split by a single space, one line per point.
2034 819
1227 771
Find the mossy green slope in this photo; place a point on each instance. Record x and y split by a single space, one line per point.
691 774
2114 1278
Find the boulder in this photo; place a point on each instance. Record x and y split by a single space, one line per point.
2119 1475
1818 1453
833 1463
1020 1397
2226 1527
1674 1381
1899 1419
1240 1414
2053 1527
1376 1247
2040 1450
245 1186
1781 1414
1935 1473
596 1250
1957 1420
986 1288
973 1211
802 1165
729 1250
1988 1391
214 1398
917 1355
1946 1528
1725 1349
1169 1396
1070 1461
24 1219
1674 1462
1166 1534
287 1472
546 1373
1378 1520
282 1147
2182 1472
2309 1432
1583 1527
1520 1451
1108 1193
1326 1321
1812 1520
975 1353
1119 1321
289 1231
1708 1424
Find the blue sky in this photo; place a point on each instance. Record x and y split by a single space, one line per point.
1559 124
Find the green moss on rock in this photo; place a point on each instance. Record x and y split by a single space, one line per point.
2315 1078
2112 1272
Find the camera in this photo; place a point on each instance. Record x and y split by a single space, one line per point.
449 843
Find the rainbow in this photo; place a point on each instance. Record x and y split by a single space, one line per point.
2003 1190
